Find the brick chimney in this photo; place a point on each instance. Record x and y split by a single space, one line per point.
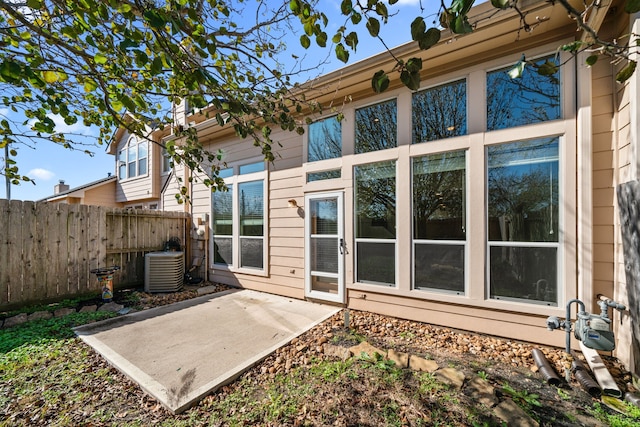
60 187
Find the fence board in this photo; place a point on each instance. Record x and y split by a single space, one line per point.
29 256
48 250
4 252
14 257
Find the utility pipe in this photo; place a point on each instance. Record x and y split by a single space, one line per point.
600 371
585 380
547 372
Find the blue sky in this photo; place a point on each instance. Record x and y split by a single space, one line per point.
48 163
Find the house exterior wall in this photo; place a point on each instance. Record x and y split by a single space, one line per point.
142 189
103 195
625 150
610 159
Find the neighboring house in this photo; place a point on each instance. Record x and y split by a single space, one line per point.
141 169
99 193
478 202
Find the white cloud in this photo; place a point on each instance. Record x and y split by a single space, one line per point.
40 173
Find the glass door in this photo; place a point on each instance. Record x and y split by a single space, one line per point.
324 247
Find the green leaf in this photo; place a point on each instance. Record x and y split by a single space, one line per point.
591 60
321 39
410 79
461 25
34 4
572 47
90 85
418 28
50 76
380 82
352 40
518 69
294 5
632 6
341 53
500 4
429 39
414 65
100 58
548 68
154 19
626 73
346 7
373 25
305 42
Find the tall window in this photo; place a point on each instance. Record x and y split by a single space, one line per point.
376 127
523 223
324 140
375 217
532 98
133 158
166 161
238 221
440 112
439 221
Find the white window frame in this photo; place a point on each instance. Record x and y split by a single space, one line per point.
123 158
234 180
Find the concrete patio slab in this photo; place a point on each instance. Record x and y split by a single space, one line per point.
181 352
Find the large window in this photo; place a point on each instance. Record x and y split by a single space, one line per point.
133 158
531 98
376 127
324 140
375 217
238 221
523 221
440 112
439 221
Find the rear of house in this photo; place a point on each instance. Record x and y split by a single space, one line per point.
478 202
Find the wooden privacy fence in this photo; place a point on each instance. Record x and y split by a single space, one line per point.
47 251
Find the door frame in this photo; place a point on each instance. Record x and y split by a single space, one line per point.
309 292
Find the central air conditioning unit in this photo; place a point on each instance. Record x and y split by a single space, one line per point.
163 271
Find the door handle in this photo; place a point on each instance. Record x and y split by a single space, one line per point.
341 246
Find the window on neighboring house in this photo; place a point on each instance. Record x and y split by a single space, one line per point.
440 112
523 200
133 159
376 127
375 223
531 98
324 140
166 161
238 218
439 221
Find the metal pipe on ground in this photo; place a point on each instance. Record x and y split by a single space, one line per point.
547 372
632 398
600 371
583 377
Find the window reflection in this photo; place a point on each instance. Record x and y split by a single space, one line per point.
375 216
440 112
376 127
532 98
439 227
523 220
325 140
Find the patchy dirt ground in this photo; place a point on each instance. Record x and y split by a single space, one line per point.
300 384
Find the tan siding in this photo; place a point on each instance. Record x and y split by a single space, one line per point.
103 195
515 326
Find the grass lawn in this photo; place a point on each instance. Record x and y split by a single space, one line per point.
49 377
